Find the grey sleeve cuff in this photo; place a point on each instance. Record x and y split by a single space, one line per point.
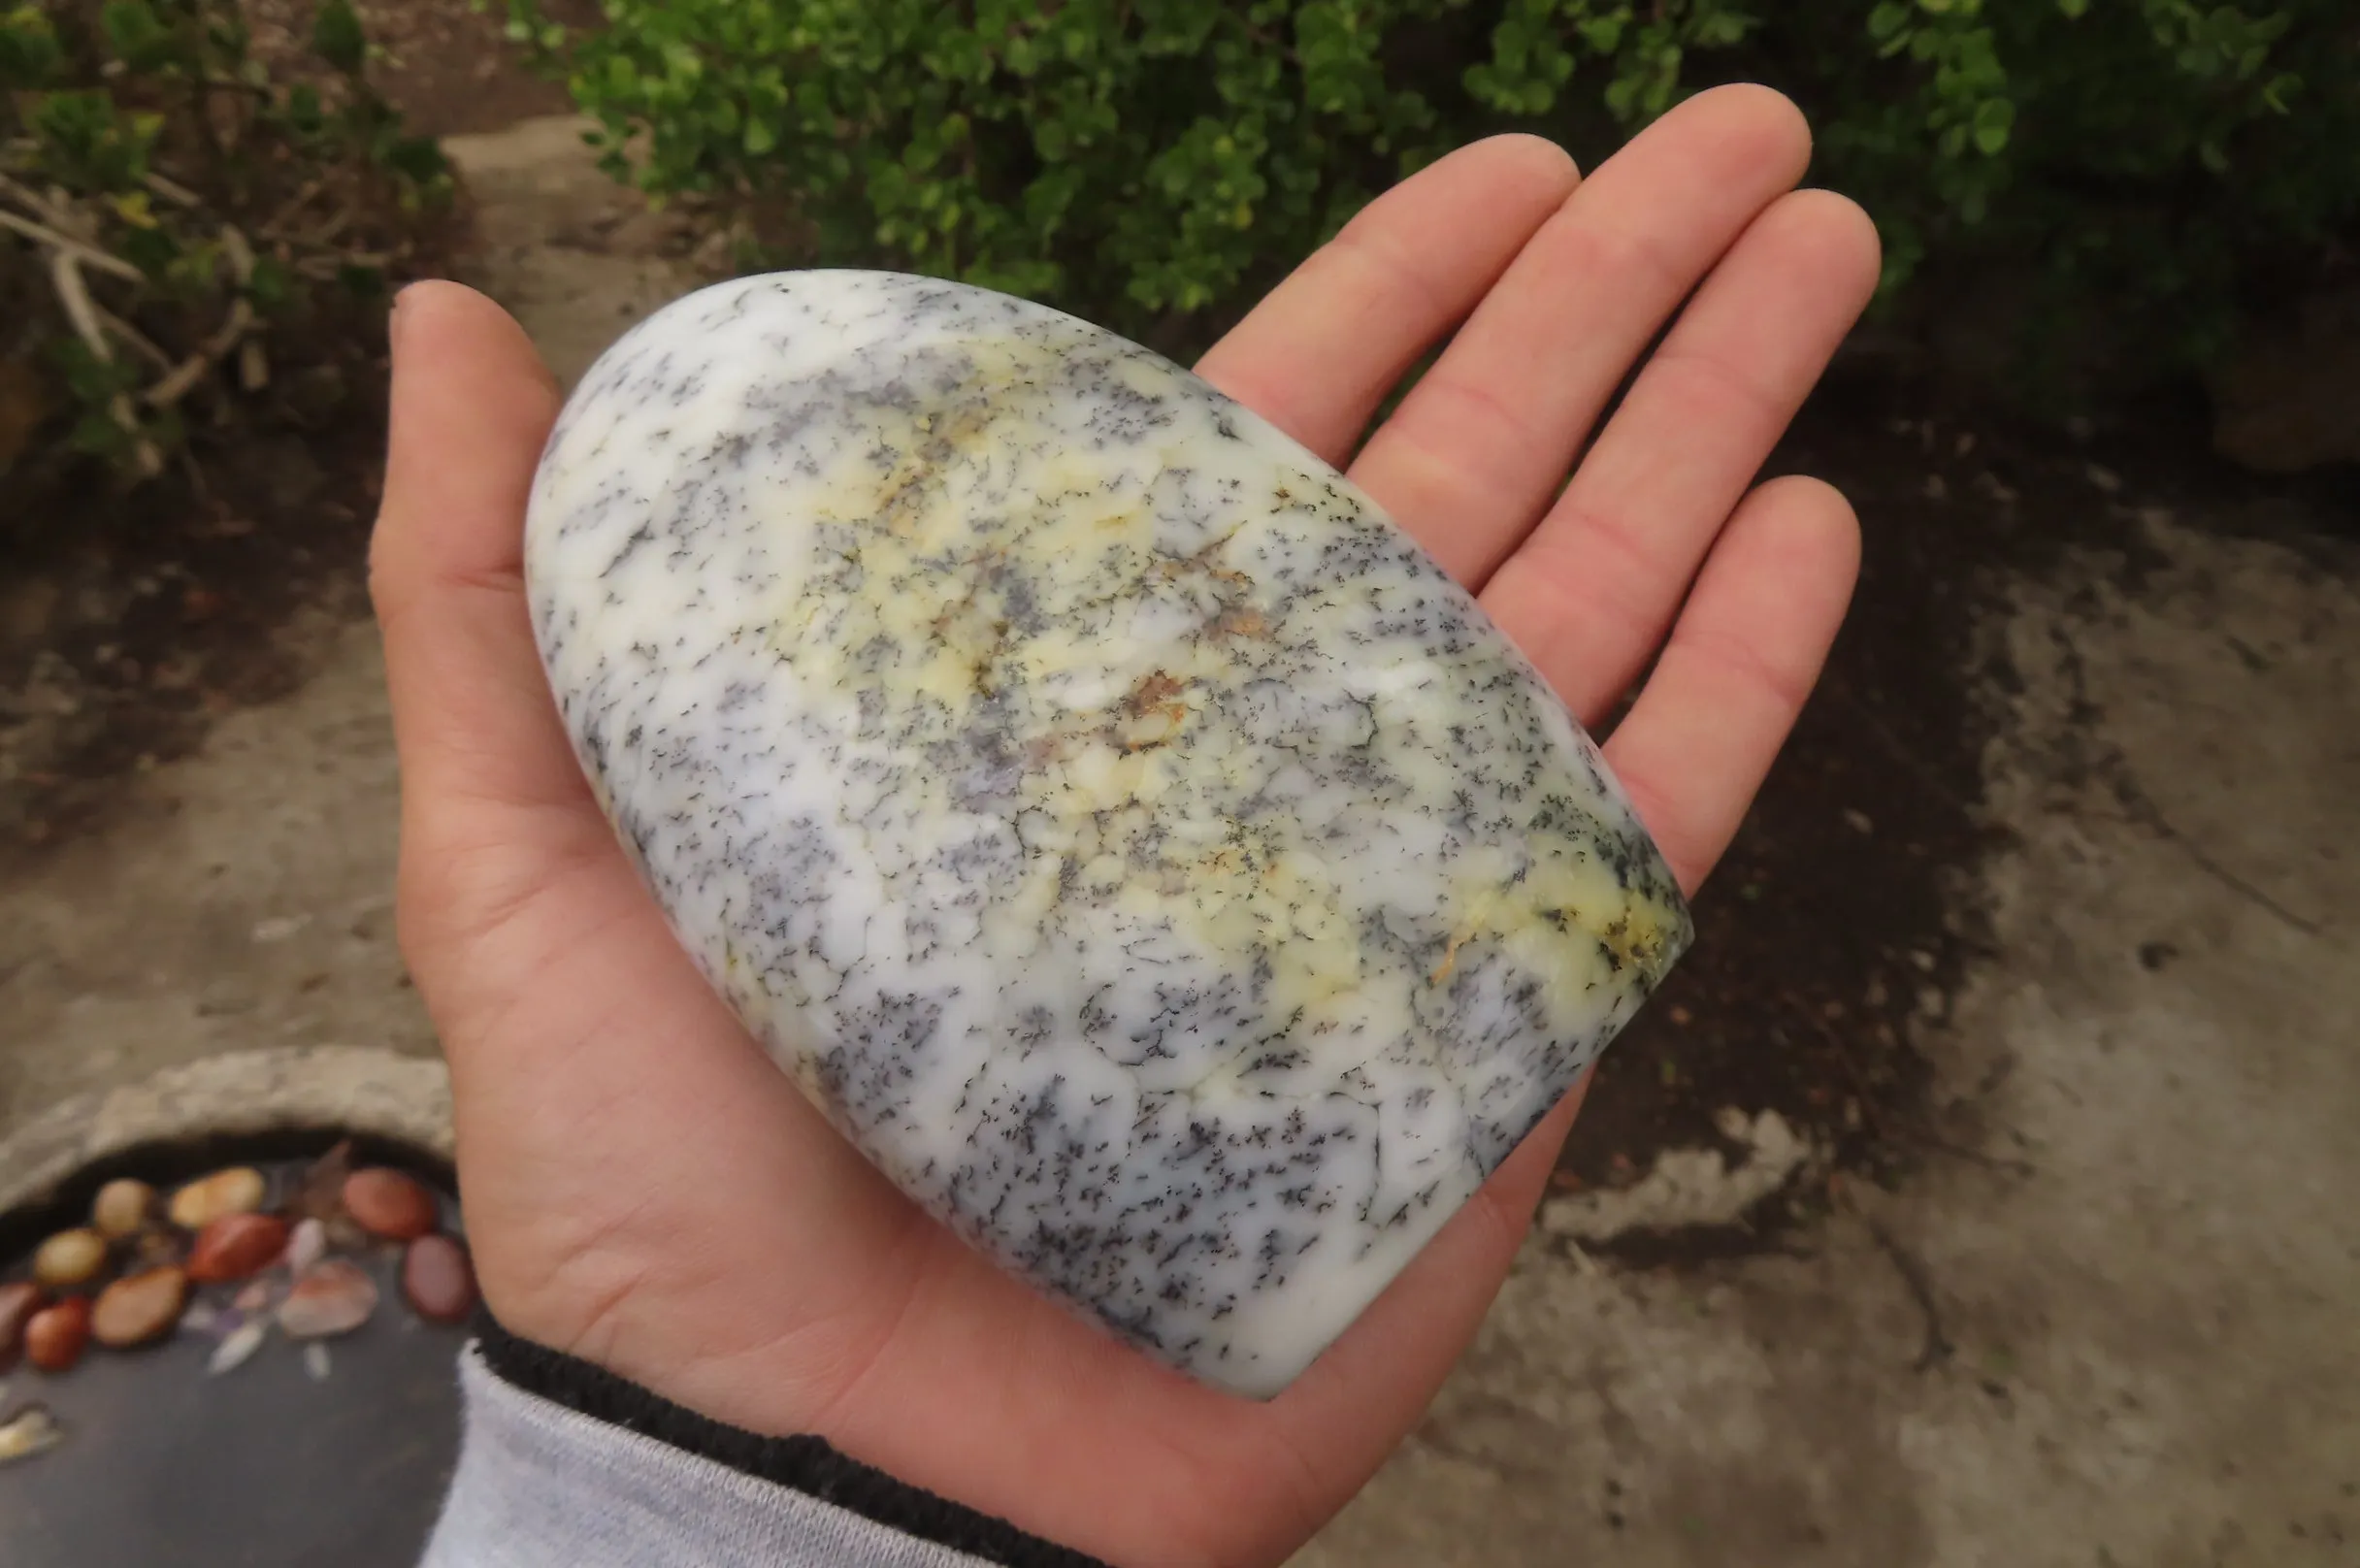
540 1485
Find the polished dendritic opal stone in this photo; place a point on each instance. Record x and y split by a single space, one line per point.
1141 851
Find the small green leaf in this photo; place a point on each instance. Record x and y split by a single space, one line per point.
417 157
303 109
1994 118
270 286
337 37
28 48
1604 34
138 37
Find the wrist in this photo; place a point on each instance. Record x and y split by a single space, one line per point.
542 1390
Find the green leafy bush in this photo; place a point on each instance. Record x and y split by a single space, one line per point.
1147 160
184 242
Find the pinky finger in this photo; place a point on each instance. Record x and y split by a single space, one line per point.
1741 661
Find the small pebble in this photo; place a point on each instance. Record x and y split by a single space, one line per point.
237 1190
53 1340
140 1308
239 1348
390 1204
307 1245
254 1296
27 1432
315 1361
18 1304
122 1207
438 1279
236 1246
69 1258
333 1298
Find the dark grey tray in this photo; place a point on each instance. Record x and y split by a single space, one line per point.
264 1465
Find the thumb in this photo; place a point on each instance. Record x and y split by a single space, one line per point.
472 406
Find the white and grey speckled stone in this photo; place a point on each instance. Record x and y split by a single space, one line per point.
1144 853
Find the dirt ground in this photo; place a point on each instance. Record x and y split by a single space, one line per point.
1976 1193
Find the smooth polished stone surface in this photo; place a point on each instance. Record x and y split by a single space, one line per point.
1144 854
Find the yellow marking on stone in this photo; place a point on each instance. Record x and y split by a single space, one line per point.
1450 962
1097 759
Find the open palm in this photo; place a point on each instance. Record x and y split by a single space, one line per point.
646 1189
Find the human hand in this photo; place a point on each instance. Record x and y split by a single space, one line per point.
646 1189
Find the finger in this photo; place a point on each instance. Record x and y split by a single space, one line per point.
1589 595
1322 350
471 406
1477 449
1739 663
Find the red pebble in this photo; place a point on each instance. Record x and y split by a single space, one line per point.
236 1246
438 1280
53 1340
390 1204
18 1304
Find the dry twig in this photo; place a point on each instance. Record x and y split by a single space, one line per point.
65 272
211 352
146 346
66 245
178 194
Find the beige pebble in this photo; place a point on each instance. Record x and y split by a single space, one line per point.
69 1258
122 1207
237 1190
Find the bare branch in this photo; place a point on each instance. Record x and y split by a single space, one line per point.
65 272
147 346
32 202
64 244
178 194
241 253
273 228
192 370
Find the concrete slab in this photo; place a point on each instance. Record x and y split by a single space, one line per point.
2127 1332
244 899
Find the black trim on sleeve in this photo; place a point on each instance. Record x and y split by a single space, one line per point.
808 1464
